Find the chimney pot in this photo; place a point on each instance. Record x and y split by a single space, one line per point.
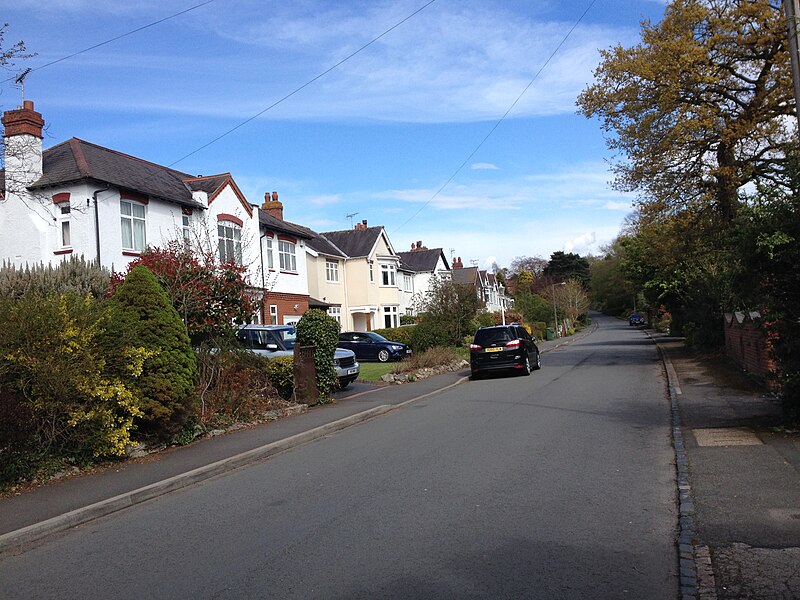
274 196
27 104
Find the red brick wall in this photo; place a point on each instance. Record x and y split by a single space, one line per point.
285 303
747 345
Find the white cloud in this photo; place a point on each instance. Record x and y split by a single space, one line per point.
484 167
582 244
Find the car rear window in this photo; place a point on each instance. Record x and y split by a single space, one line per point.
484 337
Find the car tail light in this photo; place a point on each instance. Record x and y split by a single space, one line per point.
475 347
513 344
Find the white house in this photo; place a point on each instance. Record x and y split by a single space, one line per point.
418 267
83 199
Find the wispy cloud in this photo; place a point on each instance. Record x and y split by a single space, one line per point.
484 167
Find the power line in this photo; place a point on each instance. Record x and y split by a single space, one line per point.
499 121
119 37
305 85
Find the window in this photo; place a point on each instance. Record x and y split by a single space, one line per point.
371 272
336 313
187 232
390 318
407 285
273 314
332 271
270 262
388 275
230 242
63 224
286 256
133 225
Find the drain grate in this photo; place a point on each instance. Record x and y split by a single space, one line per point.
726 436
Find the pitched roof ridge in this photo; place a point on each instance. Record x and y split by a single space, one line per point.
226 175
136 158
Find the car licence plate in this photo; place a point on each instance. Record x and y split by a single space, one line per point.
352 371
494 349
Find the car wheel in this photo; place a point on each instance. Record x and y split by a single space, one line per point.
474 376
526 368
538 364
343 383
383 355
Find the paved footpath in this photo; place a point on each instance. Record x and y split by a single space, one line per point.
743 478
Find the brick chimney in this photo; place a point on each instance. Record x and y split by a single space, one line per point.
457 264
272 206
418 247
23 153
361 226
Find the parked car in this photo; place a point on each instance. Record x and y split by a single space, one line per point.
369 345
503 347
279 340
636 319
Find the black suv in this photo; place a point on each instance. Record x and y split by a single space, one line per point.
503 347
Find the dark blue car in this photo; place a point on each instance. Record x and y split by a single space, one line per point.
371 346
636 319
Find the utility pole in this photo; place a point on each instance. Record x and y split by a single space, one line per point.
792 9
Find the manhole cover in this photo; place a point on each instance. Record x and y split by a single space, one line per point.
726 436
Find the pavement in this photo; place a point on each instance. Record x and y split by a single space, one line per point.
737 473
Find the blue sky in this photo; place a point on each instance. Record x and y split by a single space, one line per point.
380 135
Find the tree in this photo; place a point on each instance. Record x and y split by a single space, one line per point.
699 108
535 265
447 314
207 294
611 290
563 266
144 315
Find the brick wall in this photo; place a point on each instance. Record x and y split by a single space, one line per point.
286 305
746 343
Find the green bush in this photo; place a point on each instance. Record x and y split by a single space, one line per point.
430 333
280 373
431 358
402 335
316 328
166 386
70 407
74 275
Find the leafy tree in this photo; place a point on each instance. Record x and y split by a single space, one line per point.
317 328
534 265
534 308
611 291
564 266
144 313
207 294
447 315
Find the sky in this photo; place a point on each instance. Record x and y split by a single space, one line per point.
456 127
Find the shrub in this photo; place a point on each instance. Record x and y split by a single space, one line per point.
431 358
73 275
280 372
167 384
318 329
57 386
402 335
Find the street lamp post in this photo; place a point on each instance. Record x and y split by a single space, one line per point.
556 331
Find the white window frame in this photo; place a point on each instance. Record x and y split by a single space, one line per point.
371 272
408 284
186 228
331 271
388 275
273 314
270 259
336 313
135 225
287 256
229 244
64 227
392 314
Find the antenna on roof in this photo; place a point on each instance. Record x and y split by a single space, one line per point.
350 216
20 81
452 252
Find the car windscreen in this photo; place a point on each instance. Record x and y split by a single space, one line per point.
287 336
484 337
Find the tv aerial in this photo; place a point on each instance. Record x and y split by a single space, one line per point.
350 216
20 81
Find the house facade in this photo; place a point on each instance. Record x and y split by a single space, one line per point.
418 268
78 198
490 291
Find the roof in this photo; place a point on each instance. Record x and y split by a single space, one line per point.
465 275
281 226
355 243
422 260
77 160
319 243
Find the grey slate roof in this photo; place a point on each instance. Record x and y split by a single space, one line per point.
318 242
275 224
76 160
421 261
355 243
465 275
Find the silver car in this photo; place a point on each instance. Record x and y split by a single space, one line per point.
279 340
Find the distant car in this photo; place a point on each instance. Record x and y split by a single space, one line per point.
636 319
503 347
279 340
369 345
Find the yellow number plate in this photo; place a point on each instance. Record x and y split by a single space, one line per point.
494 349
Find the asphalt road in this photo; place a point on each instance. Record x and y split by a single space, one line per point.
556 485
